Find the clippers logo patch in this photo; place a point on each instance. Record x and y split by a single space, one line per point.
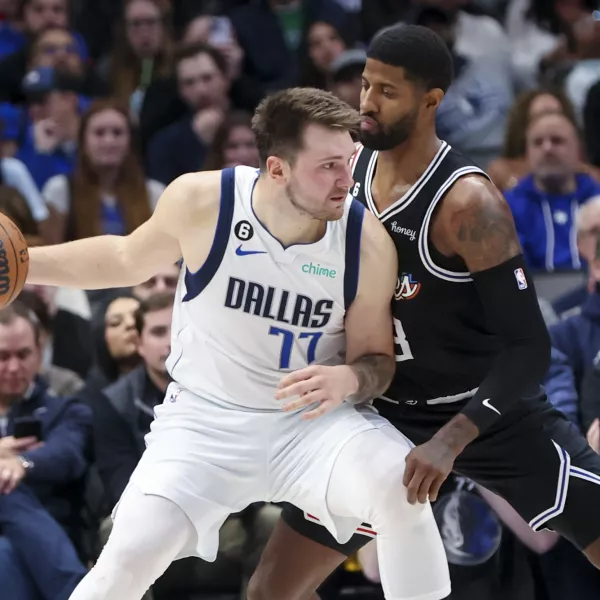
521 280
406 288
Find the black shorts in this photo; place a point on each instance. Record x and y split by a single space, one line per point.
534 458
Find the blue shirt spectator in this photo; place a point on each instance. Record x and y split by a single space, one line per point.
546 222
545 204
575 343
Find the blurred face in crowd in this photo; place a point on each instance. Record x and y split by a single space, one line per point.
320 175
390 106
348 89
324 45
201 83
61 106
553 151
588 229
240 148
164 281
20 358
41 14
155 341
57 48
120 332
145 28
544 103
106 139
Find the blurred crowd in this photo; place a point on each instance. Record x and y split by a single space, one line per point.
104 102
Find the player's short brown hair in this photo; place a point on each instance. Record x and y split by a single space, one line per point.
280 120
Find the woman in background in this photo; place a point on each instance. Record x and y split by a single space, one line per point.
234 144
108 192
512 164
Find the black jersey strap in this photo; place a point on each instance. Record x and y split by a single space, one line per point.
513 314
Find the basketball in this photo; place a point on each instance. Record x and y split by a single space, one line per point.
14 261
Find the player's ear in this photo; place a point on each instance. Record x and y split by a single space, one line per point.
277 168
433 98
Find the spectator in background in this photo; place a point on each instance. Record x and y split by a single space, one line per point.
57 48
15 207
15 175
204 86
512 164
50 145
65 338
545 203
38 16
473 113
107 192
115 342
52 470
164 281
325 41
346 76
234 144
272 34
575 345
588 229
143 52
124 411
544 37
477 35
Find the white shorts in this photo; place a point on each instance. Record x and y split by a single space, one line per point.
213 460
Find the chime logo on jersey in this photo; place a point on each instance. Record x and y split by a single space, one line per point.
520 277
406 288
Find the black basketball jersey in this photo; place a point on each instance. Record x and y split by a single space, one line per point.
443 348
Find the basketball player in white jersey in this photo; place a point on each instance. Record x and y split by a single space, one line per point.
282 271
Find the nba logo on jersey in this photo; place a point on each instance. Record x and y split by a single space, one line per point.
520 277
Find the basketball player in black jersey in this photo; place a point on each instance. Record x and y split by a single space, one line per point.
472 346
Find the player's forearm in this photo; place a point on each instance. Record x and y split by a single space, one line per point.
89 264
374 373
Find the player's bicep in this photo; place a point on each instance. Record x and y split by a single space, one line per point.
155 244
369 326
479 226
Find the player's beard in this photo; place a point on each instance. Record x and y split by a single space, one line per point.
388 137
300 205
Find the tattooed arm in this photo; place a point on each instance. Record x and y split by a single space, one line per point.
475 223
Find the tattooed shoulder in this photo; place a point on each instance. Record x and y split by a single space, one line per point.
478 224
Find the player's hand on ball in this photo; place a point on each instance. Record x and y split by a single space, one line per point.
326 386
427 467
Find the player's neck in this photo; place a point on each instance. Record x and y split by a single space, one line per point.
283 220
400 168
404 164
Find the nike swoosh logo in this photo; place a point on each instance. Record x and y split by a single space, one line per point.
241 252
487 404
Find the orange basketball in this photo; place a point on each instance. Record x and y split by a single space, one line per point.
14 261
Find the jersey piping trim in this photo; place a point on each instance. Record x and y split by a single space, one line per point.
562 490
196 282
352 255
403 202
440 272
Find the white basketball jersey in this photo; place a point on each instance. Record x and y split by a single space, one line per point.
257 310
